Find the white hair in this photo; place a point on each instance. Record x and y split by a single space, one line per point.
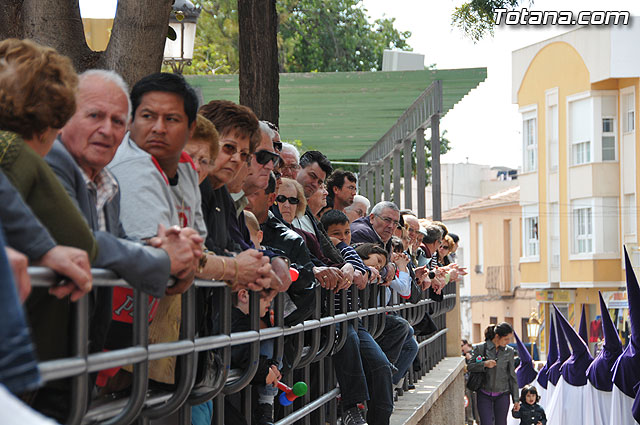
291 149
361 200
110 76
264 127
381 206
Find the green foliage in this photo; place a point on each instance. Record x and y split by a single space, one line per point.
314 36
476 17
334 35
216 48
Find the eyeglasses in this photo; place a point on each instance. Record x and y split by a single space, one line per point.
281 199
205 162
264 156
231 150
292 167
388 220
277 145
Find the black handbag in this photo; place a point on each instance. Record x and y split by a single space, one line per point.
476 379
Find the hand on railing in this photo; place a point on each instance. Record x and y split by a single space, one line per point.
359 279
280 275
19 264
348 276
184 247
328 277
253 270
72 263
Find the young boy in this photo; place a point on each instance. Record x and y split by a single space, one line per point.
267 373
255 232
336 223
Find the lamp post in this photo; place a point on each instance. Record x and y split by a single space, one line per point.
183 20
533 329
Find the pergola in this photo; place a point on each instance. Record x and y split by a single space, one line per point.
366 117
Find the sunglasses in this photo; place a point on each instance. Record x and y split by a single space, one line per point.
231 150
277 146
281 199
263 157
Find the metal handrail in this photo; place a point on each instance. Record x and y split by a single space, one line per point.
149 405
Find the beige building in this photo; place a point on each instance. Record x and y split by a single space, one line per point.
489 230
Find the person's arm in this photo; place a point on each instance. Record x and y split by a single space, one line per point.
402 284
513 381
22 229
543 416
478 353
516 413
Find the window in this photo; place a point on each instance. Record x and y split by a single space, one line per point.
583 230
629 105
530 145
479 248
552 137
580 131
608 140
530 238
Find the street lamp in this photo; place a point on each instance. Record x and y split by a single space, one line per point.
183 20
533 329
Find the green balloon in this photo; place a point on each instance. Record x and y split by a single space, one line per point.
299 389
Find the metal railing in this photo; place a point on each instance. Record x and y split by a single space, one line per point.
313 341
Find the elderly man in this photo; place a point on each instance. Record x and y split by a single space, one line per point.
264 160
342 188
290 161
86 145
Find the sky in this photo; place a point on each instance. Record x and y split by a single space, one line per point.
484 128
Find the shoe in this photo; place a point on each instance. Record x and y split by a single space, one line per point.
263 414
353 416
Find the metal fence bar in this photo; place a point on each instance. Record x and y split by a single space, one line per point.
145 405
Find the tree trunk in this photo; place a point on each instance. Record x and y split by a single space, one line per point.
136 46
258 54
137 38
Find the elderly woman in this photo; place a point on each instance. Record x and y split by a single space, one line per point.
37 97
203 147
290 200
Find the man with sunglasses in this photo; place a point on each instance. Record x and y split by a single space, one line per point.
262 163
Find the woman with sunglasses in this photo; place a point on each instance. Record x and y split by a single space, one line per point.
444 250
292 204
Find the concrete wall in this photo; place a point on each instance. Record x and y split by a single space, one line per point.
449 407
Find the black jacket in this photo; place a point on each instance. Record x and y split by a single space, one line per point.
302 293
530 414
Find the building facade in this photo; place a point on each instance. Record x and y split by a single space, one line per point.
489 230
577 95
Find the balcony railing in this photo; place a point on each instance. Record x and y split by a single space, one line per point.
500 280
313 341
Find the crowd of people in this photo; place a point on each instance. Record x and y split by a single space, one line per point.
148 184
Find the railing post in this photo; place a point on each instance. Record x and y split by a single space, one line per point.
408 174
397 173
421 172
386 175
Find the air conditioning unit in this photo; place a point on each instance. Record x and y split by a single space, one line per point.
478 268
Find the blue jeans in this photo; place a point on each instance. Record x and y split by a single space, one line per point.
393 336
364 373
407 355
18 366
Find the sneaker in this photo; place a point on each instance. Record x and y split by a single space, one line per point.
353 416
264 414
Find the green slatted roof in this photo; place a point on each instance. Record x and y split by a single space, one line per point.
342 114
